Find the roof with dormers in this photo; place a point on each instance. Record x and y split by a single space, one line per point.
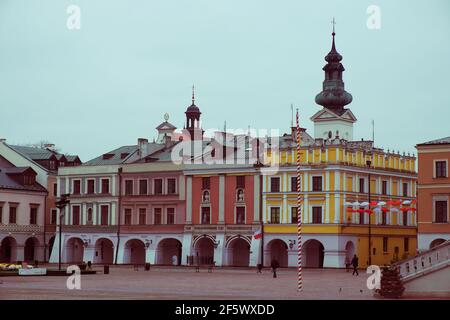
8 180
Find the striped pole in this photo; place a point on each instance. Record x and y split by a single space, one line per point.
299 212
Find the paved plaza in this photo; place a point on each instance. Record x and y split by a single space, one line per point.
184 283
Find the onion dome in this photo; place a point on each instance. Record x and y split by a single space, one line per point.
333 95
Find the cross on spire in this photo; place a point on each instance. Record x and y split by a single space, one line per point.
333 22
193 94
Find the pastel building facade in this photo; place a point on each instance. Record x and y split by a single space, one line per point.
336 170
433 193
222 215
126 206
44 161
22 210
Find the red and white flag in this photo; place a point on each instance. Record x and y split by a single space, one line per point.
257 234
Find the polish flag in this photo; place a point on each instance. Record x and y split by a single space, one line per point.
257 234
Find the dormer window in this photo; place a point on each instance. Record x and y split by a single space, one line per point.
28 180
107 156
123 155
205 196
240 195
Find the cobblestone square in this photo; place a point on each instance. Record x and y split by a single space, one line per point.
184 283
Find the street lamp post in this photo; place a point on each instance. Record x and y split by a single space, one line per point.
369 163
61 204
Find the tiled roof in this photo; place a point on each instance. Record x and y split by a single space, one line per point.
8 182
117 156
437 141
33 153
71 158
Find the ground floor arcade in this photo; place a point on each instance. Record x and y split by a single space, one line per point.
21 247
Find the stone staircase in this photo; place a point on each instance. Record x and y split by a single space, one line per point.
428 271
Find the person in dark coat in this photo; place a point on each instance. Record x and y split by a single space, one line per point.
259 266
355 265
274 266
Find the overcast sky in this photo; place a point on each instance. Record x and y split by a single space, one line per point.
110 82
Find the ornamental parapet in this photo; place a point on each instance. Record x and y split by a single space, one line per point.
21 228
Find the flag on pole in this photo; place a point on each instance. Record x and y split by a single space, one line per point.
258 234
299 210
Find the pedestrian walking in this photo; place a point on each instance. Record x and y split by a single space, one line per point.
259 267
355 265
274 266
347 264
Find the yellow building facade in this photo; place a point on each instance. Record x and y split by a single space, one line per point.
336 171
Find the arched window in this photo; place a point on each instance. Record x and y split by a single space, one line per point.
89 215
239 195
205 196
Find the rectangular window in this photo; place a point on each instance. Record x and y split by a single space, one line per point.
405 218
90 186
104 215
405 189
240 182
317 214
33 215
440 211
275 215
441 169
170 215
171 186
361 185
76 187
316 183
293 184
105 186
240 215
361 217
406 244
294 215
384 187
206 183
157 216
142 216
128 217
55 189
128 187
158 186
206 215
53 216
143 187
76 215
275 184
385 244
383 218
12 214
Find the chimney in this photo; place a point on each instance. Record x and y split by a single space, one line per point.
143 147
167 140
49 146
